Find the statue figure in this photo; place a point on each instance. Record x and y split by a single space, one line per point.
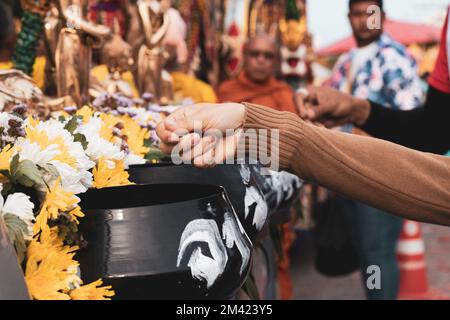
116 55
151 54
296 49
69 39
18 88
74 48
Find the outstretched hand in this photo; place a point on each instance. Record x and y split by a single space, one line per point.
202 134
332 107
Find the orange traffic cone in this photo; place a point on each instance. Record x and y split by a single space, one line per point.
411 260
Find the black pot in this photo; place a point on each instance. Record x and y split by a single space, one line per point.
12 282
255 197
154 241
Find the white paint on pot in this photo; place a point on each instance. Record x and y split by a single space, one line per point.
203 267
232 235
252 197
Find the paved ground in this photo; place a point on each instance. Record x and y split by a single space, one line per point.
309 284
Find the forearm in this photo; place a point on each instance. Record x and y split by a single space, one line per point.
411 184
425 129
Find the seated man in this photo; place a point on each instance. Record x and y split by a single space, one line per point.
256 83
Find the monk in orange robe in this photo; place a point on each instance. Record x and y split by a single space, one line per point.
256 83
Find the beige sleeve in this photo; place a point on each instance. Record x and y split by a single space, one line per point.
402 181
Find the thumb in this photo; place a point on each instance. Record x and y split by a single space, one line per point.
319 108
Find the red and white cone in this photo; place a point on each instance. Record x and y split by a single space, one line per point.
411 260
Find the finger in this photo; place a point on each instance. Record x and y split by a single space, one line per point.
331 122
206 160
308 111
181 119
226 148
166 136
206 144
187 117
318 111
186 146
300 102
166 148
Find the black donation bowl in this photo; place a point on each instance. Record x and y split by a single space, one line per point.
237 180
12 282
176 241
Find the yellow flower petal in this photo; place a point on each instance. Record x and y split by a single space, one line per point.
106 177
92 291
6 156
57 200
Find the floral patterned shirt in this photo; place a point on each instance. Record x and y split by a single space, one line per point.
390 78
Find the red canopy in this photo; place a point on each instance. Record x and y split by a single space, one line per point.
405 33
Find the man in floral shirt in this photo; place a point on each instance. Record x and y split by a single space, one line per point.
379 69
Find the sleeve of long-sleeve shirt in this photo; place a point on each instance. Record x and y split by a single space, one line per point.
425 129
396 179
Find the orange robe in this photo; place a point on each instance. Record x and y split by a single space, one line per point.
274 94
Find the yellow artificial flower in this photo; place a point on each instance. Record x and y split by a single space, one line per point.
5 157
86 113
57 200
32 122
42 281
104 176
92 291
76 213
50 269
49 241
136 136
108 123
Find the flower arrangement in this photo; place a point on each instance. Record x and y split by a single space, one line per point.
44 164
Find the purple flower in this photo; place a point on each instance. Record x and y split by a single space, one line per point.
20 108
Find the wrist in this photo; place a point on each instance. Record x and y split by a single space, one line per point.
360 111
241 112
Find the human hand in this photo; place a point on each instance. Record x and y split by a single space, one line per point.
332 107
205 134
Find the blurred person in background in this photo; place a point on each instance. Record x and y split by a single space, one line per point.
8 36
380 69
257 83
425 129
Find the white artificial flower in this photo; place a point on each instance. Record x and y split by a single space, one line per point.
133 159
4 120
75 178
32 151
19 204
97 146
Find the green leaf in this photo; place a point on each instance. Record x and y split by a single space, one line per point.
14 164
78 137
27 174
72 125
17 230
5 173
50 169
7 188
